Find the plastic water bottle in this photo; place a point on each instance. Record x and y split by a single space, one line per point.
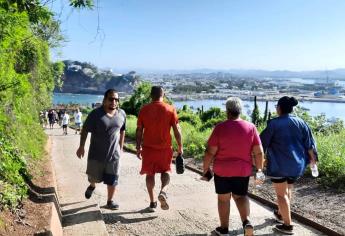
259 179
314 170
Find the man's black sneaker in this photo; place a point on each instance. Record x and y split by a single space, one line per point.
248 228
222 231
278 216
153 207
283 228
89 191
112 205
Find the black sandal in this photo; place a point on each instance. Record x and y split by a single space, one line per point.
112 205
89 191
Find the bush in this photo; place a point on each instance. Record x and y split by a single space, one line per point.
12 172
211 123
131 126
331 150
194 141
189 117
213 112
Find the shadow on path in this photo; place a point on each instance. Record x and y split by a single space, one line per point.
82 217
111 218
266 224
75 210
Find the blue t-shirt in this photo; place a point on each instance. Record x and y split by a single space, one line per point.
286 141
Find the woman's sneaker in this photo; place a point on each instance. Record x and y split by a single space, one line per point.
283 228
278 216
222 231
153 207
248 228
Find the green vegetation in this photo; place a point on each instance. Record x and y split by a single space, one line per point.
331 148
140 97
197 127
27 79
197 88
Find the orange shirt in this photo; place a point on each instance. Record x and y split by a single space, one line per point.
157 118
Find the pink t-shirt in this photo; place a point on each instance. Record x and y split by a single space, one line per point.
235 140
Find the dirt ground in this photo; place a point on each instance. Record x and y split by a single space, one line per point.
32 216
310 199
314 202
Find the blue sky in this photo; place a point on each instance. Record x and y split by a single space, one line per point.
216 34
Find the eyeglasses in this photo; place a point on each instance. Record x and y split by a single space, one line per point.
113 99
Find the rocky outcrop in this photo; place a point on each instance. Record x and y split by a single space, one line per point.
85 78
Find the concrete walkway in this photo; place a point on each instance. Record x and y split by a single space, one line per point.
193 205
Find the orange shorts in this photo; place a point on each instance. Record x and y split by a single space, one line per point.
156 160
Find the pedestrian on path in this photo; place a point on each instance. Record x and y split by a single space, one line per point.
154 146
230 148
289 146
107 127
52 118
65 122
77 120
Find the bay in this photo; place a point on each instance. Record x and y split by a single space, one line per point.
331 110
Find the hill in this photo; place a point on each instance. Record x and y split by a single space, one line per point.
85 78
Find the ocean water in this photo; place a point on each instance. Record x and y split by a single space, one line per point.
331 110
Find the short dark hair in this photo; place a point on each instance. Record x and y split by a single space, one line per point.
108 92
156 92
286 104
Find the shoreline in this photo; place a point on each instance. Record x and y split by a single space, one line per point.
195 97
223 97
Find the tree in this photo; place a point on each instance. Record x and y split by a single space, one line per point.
256 113
27 76
140 97
57 70
265 113
213 112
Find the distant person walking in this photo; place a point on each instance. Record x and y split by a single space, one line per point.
52 118
289 146
230 148
78 120
154 146
107 127
65 122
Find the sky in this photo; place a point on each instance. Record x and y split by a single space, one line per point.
196 34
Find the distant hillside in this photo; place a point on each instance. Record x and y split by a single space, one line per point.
313 74
85 78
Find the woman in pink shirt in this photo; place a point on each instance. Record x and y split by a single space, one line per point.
230 148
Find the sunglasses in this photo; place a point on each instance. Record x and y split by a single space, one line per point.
113 99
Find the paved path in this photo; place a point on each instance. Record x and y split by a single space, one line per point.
193 205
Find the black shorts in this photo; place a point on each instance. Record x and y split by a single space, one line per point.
289 180
64 126
235 185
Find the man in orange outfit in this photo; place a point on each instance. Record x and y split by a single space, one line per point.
154 143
